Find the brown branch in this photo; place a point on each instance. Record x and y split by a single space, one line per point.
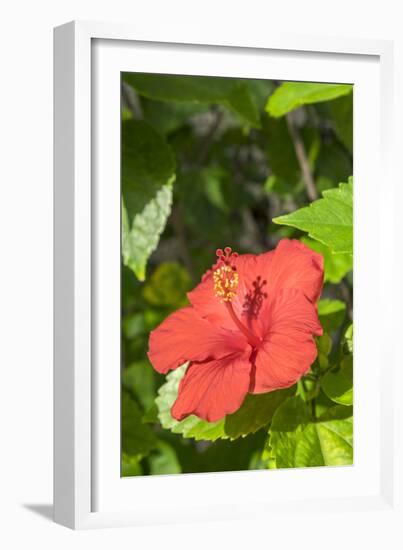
302 158
346 296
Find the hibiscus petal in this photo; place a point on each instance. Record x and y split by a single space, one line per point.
288 349
294 265
185 336
252 297
213 389
207 305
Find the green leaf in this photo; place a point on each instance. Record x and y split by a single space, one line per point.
286 432
151 415
140 238
258 461
163 460
231 92
167 286
240 101
148 171
336 265
212 177
331 314
133 325
291 95
166 117
338 385
342 112
203 203
221 456
281 154
267 456
324 345
138 378
260 90
131 466
348 337
333 165
126 114
274 184
328 220
148 164
298 441
323 404
255 413
137 438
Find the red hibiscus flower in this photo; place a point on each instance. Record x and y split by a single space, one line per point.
249 328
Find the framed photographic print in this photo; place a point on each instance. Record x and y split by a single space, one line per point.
220 280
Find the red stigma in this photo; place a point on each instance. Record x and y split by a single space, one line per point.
225 257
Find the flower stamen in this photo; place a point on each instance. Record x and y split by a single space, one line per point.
225 276
225 283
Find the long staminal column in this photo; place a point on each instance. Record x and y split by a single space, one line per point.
253 340
226 279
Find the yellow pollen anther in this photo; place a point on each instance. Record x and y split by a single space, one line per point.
225 280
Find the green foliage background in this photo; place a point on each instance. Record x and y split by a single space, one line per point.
209 162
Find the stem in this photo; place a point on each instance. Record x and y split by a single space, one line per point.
346 295
313 408
253 340
301 389
302 157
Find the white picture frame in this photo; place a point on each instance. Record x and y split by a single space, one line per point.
88 491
